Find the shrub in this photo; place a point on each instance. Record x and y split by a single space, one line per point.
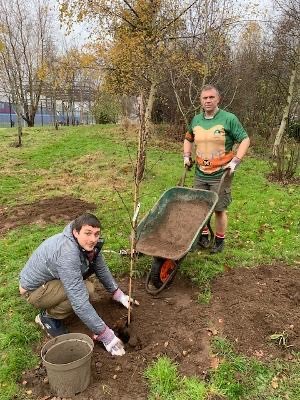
106 108
285 164
294 130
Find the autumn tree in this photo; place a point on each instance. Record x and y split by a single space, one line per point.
140 45
134 41
25 38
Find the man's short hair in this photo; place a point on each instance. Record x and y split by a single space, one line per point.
210 87
86 219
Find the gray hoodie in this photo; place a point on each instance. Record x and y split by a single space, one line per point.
59 257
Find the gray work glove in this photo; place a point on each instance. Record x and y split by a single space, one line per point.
232 165
111 342
187 161
123 298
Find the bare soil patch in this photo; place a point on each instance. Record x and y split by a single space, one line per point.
43 211
248 305
173 324
294 180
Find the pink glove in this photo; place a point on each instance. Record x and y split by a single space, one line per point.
123 298
233 164
111 342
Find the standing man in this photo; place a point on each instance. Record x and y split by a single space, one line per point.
54 280
214 132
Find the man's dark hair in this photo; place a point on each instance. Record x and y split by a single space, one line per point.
210 87
86 219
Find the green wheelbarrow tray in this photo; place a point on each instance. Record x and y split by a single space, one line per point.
172 227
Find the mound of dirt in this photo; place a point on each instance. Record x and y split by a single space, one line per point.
44 211
248 305
173 324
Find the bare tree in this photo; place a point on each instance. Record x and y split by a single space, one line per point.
204 44
288 39
134 51
26 41
286 112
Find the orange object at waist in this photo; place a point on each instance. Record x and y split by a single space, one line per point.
215 162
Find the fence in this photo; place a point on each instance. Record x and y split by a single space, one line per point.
46 115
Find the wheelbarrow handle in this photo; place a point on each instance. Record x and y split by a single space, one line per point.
188 168
224 176
182 179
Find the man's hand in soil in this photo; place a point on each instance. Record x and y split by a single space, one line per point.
111 342
233 164
124 298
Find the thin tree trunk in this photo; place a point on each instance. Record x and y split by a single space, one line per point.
133 241
19 122
144 132
178 101
286 111
30 121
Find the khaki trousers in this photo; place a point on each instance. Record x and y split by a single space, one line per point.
52 297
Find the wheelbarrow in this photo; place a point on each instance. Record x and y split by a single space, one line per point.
172 228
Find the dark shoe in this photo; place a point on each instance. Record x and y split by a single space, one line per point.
53 327
204 241
218 247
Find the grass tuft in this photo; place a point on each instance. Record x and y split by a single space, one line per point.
163 378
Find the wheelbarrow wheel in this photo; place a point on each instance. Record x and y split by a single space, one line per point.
161 271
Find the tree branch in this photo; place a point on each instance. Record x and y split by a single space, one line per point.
131 8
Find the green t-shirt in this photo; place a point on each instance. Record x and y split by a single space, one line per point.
214 140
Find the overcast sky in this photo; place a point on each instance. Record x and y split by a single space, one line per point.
77 37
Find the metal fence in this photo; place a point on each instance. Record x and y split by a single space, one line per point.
10 119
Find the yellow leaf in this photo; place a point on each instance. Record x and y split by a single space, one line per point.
214 362
274 383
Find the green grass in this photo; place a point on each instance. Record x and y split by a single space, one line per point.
236 377
166 384
204 296
93 164
239 377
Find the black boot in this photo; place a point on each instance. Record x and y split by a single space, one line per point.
218 246
204 241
